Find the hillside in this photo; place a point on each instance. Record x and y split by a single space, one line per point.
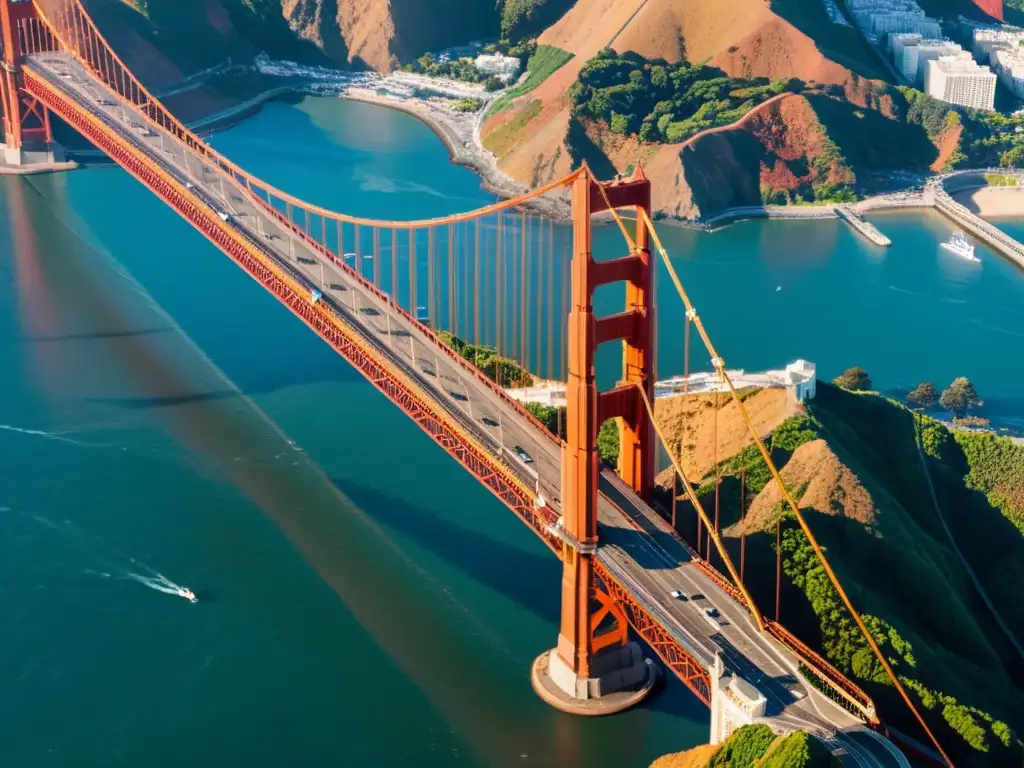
738 38
852 463
753 746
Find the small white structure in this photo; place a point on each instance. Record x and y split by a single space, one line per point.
503 67
734 703
961 81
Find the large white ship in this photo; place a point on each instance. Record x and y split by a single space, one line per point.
958 244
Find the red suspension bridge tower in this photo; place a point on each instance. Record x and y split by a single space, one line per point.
26 121
594 669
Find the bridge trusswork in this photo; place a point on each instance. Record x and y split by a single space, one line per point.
382 293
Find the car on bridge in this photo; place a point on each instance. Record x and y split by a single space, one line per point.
713 617
677 595
526 458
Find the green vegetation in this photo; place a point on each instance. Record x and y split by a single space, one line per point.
939 639
1001 180
996 468
525 18
756 746
661 102
797 750
467 105
455 69
495 367
853 379
744 748
542 63
923 396
608 441
784 440
553 417
989 138
959 396
500 139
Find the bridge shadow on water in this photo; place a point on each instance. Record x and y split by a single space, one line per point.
531 580
139 403
96 335
528 579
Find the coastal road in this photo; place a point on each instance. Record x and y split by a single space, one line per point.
634 545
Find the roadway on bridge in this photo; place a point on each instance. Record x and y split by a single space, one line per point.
635 545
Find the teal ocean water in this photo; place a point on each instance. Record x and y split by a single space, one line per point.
362 600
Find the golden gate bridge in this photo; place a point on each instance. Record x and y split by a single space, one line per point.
380 292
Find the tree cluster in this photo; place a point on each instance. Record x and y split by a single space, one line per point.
489 361
456 69
957 398
662 102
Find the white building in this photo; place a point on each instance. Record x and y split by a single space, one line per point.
734 703
911 54
961 81
798 377
1003 49
879 19
504 67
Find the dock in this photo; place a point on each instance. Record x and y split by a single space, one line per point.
989 234
866 228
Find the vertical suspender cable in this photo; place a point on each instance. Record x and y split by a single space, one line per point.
522 293
550 340
394 265
476 281
452 294
525 362
499 341
431 288
414 308
743 522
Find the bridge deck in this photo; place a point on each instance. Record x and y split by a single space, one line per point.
636 548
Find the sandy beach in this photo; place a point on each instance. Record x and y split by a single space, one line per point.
993 201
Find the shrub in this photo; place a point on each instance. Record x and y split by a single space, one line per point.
853 379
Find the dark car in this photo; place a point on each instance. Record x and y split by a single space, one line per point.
527 458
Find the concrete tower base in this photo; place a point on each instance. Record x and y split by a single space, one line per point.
19 161
621 678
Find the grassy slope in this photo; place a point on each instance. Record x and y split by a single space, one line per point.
900 569
545 62
753 746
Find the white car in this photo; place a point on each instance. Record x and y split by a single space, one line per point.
677 595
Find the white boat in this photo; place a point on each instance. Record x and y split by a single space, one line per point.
188 594
958 244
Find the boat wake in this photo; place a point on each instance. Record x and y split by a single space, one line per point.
161 583
116 564
46 435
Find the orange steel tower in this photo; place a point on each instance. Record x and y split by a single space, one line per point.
26 121
593 669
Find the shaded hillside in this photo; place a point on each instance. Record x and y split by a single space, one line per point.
361 33
853 464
